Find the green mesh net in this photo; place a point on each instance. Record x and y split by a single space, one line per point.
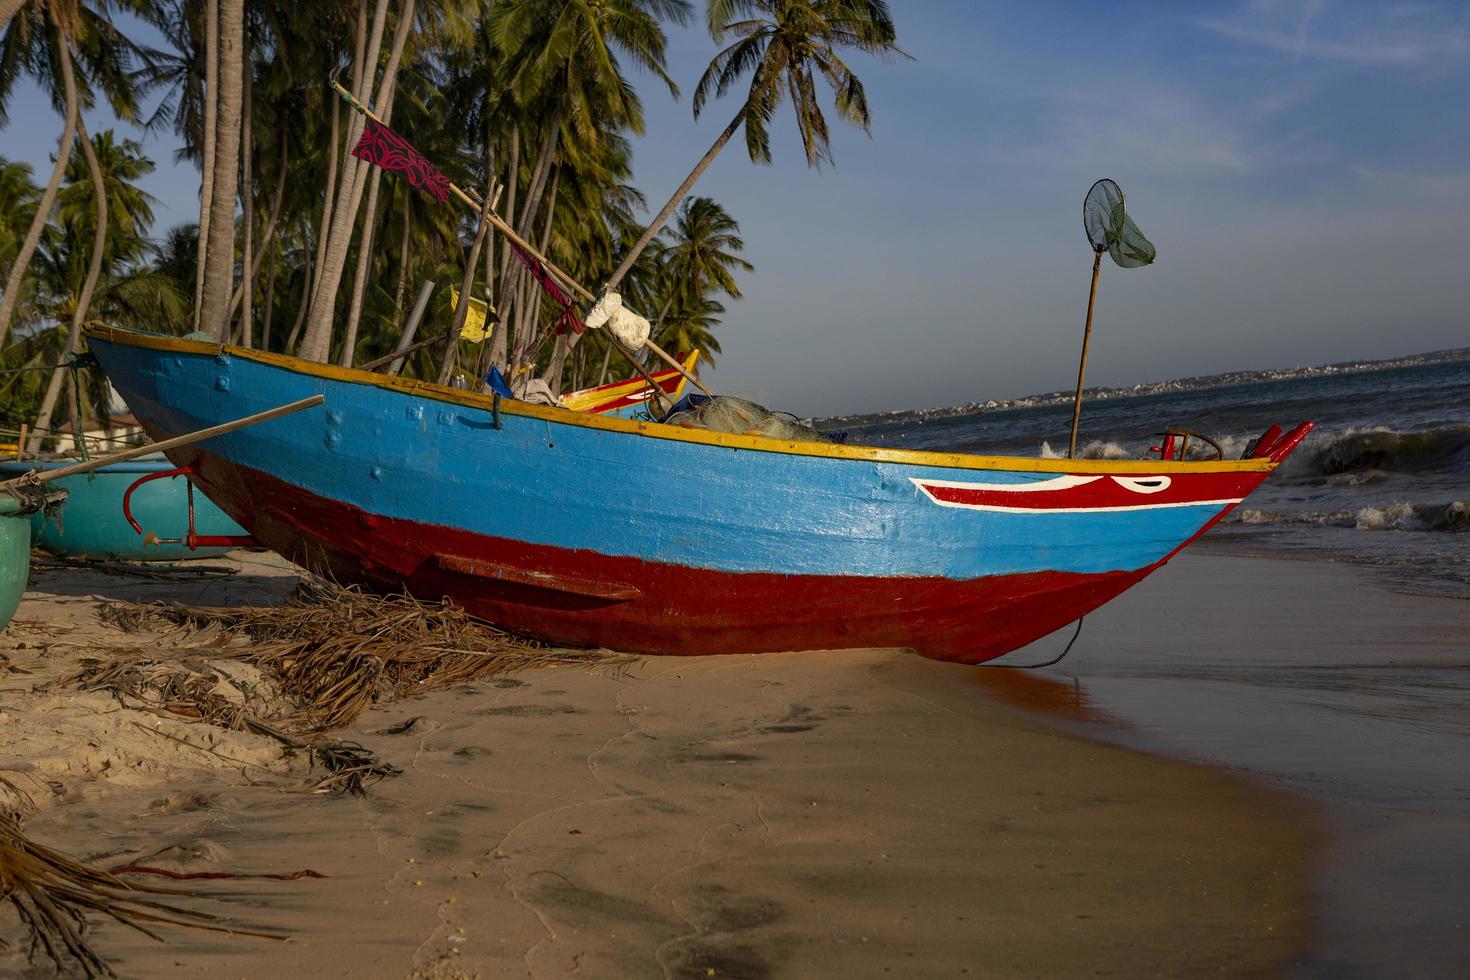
1109 229
725 413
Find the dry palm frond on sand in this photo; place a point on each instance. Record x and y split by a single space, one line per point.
334 651
51 894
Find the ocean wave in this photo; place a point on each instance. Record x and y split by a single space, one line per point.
1453 517
1379 450
1096 449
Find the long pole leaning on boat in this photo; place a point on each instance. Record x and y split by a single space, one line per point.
488 214
46 476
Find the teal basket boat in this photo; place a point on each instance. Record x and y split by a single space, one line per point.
92 525
15 555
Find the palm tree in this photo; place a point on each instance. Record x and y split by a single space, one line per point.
701 257
80 284
316 344
225 107
689 325
569 95
784 45
46 41
119 214
18 197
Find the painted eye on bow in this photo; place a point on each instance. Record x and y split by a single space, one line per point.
1143 484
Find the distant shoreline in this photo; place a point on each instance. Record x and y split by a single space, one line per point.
1200 382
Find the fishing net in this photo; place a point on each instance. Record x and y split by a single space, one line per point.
1109 229
725 413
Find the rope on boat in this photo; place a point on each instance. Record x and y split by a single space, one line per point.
1049 663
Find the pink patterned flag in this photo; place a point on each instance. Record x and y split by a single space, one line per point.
384 148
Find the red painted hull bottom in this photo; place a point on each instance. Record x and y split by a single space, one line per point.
676 609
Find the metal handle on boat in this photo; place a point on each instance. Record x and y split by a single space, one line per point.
1166 449
193 540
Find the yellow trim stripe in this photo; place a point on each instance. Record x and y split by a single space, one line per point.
652 430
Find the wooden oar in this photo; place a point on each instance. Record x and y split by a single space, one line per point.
46 476
497 222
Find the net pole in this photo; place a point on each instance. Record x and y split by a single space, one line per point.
1082 365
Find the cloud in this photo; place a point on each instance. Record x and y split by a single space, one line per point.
1399 35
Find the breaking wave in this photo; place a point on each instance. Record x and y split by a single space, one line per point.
1453 516
1096 449
1364 452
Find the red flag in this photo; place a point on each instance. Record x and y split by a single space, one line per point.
384 148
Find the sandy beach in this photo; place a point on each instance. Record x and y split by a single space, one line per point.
794 815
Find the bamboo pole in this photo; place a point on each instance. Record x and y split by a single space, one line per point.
1082 366
498 223
398 355
46 476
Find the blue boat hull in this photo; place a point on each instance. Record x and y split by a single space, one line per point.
591 530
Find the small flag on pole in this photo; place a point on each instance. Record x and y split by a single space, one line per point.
384 148
474 329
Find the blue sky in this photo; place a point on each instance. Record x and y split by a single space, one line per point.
1303 168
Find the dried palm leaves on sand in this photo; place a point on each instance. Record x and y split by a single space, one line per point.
335 651
51 894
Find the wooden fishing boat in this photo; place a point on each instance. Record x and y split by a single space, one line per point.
589 530
631 396
93 525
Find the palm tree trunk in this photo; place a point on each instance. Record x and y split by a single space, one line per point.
668 209
219 262
211 130
512 180
534 190
359 280
364 248
324 226
306 284
317 343
48 198
277 199
270 295
247 212
606 360
8 9
84 298
451 349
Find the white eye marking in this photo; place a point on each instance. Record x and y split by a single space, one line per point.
1143 484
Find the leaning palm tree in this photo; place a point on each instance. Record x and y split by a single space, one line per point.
49 40
103 199
784 45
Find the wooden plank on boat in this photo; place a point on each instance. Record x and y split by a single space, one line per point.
537 580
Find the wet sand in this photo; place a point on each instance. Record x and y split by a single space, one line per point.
794 815
1325 680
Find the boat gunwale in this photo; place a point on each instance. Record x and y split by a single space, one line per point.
654 430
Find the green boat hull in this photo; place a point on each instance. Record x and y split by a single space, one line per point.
91 524
15 556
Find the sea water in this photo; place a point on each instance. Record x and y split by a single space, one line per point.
1383 480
